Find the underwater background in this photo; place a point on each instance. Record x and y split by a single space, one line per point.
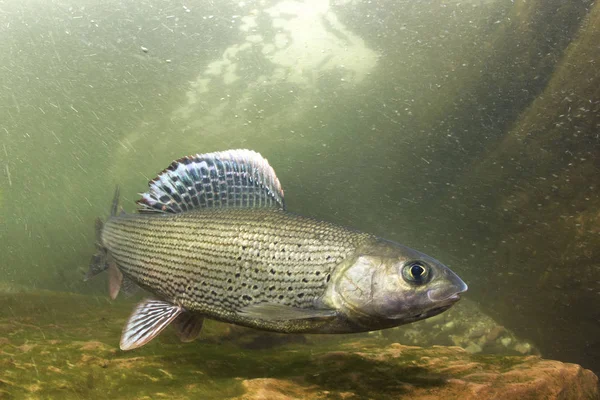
469 130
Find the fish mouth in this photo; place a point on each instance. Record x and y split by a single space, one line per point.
437 297
445 305
449 290
425 314
438 309
453 298
439 303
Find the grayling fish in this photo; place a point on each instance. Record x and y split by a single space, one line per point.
212 239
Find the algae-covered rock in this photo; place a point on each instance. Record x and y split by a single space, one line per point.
66 346
464 325
446 373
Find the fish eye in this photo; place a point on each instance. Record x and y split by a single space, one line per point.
416 272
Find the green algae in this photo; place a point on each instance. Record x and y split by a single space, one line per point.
65 346
502 363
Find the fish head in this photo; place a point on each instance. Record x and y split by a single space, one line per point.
387 284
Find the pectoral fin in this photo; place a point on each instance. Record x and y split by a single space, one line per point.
188 326
148 319
280 312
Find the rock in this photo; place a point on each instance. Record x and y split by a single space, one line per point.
523 348
94 345
473 348
54 369
26 348
277 389
434 373
86 362
494 333
464 325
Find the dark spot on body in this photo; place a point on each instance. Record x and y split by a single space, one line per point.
300 295
328 278
237 275
304 280
272 271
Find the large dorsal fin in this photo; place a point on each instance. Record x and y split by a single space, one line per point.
232 178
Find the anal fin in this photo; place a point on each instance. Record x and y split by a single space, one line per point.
148 319
129 287
188 326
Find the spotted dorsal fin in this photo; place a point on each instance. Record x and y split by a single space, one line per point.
232 178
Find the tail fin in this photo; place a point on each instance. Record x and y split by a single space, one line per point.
99 262
102 260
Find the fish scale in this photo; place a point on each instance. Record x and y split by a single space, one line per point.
204 258
212 239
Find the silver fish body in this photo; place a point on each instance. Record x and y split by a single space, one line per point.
221 246
218 261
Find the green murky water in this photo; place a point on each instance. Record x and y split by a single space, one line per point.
468 130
